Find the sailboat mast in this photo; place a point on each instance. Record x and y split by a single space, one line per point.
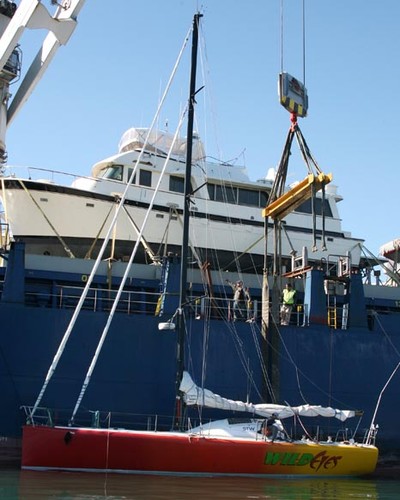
186 214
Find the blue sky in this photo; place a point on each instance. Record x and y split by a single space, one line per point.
110 76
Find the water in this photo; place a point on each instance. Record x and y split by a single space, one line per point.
28 485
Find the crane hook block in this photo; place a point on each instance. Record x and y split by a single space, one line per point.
292 95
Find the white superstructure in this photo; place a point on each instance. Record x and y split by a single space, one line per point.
226 227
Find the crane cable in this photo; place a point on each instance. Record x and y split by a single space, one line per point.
306 154
303 38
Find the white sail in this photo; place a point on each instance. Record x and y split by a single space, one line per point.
194 395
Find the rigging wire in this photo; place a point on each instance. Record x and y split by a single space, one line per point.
256 339
282 49
209 95
125 277
194 242
372 426
78 308
304 42
298 371
389 340
281 46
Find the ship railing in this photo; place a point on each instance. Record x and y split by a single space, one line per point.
246 311
42 416
343 434
98 299
370 435
158 423
51 176
97 419
337 316
206 307
145 302
4 234
299 315
131 302
140 301
300 262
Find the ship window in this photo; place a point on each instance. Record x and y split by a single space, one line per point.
114 172
307 209
145 178
263 199
130 170
249 197
176 184
226 194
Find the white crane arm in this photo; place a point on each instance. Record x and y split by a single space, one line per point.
33 15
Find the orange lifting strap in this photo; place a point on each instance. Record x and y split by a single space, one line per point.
293 198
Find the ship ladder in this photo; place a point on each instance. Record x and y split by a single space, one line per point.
345 316
332 312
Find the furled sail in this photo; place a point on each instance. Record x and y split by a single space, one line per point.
194 395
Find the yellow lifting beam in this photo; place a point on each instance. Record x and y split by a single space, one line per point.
293 198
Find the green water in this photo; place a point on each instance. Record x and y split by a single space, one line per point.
28 485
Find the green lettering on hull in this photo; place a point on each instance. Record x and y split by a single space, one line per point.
272 458
294 459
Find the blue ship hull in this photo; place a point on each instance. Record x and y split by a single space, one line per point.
135 372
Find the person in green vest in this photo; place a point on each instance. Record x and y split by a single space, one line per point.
289 298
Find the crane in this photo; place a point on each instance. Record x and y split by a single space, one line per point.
14 20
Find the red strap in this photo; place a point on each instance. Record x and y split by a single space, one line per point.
293 119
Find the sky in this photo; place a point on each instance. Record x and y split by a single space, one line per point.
111 74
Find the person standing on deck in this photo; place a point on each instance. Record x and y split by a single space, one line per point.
249 305
238 299
289 296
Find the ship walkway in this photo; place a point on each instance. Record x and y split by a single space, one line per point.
144 300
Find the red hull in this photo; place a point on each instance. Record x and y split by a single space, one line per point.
152 452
